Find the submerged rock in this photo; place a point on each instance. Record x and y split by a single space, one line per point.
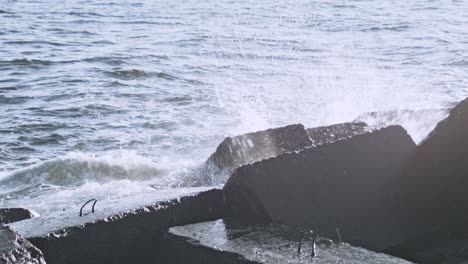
270 244
16 250
346 187
10 215
120 231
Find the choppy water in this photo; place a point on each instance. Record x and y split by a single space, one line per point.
102 98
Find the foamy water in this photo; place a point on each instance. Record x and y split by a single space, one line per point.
110 98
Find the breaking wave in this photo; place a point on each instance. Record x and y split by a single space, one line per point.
75 169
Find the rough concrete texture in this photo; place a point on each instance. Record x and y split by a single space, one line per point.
347 185
16 250
126 237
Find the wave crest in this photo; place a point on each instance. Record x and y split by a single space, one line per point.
75 169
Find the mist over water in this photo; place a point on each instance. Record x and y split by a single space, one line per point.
109 98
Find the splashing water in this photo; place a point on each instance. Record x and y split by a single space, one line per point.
106 100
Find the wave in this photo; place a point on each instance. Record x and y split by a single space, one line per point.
25 62
388 28
24 42
85 14
76 169
31 63
138 74
13 100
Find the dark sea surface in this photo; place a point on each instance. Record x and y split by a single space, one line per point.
109 98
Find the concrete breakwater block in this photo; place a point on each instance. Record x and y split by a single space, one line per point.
120 230
249 148
345 187
16 250
10 215
437 175
222 242
434 186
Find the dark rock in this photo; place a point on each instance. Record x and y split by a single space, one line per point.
348 185
237 151
332 133
10 215
126 236
270 243
16 250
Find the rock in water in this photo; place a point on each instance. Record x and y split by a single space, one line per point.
10 215
348 185
16 250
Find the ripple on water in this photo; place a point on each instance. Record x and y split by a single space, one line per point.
13 99
135 74
52 139
35 42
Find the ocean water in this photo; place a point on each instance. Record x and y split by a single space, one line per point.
108 98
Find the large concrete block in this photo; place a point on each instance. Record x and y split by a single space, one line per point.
348 185
119 231
249 148
16 250
437 175
434 186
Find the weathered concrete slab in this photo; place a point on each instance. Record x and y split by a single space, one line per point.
264 244
120 231
10 215
348 185
249 148
16 250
